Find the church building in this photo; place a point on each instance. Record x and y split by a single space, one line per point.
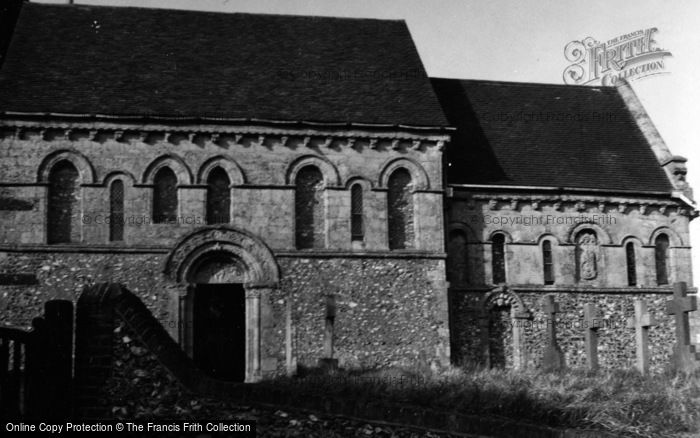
282 191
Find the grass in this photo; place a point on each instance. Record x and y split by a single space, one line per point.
622 402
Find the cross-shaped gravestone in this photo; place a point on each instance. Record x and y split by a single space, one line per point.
641 322
328 362
553 359
684 355
593 323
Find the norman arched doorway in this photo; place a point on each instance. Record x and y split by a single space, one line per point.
502 329
224 274
214 334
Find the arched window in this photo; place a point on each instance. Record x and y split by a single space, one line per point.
498 258
631 264
164 196
548 262
400 201
63 204
661 259
116 211
218 197
309 209
457 258
357 226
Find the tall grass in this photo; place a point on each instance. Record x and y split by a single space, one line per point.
622 402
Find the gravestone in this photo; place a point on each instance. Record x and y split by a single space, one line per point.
685 356
593 323
553 358
641 322
328 362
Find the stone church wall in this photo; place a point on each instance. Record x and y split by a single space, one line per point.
616 342
391 311
392 306
261 169
529 220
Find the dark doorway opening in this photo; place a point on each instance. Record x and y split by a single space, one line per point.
500 338
219 330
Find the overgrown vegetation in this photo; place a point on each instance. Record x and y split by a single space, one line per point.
622 402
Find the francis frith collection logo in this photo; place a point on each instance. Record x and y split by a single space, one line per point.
629 56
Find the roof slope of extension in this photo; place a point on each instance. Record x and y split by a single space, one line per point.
123 61
524 134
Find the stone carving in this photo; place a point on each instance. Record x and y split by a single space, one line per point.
587 246
218 271
203 243
214 133
678 170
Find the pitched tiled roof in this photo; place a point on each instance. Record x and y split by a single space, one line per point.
545 135
79 59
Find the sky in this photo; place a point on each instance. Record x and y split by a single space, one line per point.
523 41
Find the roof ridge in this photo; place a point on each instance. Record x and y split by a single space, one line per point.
195 11
533 84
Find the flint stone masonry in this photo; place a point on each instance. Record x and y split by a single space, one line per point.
593 322
150 378
552 359
616 343
685 355
596 274
284 199
641 322
388 311
261 165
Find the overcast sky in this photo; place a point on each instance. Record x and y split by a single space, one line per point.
524 41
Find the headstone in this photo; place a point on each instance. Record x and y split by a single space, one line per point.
641 322
553 358
593 323
289 339
685 357
328 362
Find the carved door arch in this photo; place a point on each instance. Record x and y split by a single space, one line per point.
224 255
